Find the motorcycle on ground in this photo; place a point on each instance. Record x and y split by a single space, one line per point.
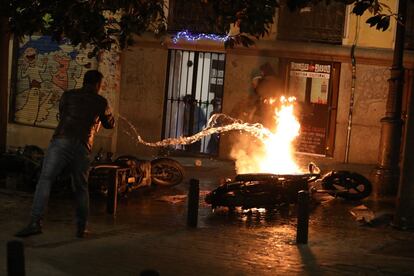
132 173
265 190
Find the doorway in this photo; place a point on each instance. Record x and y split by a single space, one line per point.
194 93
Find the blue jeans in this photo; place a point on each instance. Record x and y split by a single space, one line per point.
64 153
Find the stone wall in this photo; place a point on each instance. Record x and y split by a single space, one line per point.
142 98
371 89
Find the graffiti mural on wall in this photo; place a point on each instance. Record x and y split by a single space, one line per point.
110 66
44 71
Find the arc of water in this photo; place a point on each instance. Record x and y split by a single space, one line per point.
213 126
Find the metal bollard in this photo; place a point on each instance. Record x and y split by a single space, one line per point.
15 258
112 199
193 198
303 217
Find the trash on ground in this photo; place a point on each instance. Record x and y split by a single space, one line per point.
174 199
362 214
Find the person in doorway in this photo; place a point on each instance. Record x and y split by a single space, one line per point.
267 92
213 143
196 120
82 111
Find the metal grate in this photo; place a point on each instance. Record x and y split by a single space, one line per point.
194 93
321 23
196 16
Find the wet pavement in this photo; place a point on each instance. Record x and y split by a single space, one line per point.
149 232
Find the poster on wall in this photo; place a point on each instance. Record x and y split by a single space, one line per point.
309 82
312 140
44 70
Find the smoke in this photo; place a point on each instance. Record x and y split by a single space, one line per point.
275 153
247 153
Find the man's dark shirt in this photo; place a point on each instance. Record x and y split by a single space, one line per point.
81 112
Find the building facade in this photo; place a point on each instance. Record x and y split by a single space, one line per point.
171 88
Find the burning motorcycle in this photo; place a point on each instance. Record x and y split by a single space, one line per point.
264 190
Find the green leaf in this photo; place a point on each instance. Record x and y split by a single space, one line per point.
47 20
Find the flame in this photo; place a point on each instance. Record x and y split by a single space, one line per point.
274 153
278 152
270 100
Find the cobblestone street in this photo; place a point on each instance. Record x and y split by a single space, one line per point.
150 232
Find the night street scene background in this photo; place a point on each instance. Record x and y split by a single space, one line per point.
260 137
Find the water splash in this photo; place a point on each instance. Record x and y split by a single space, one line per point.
213 126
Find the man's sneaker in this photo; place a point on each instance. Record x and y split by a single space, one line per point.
82 231
33 228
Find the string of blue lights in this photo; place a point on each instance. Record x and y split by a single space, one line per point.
188 36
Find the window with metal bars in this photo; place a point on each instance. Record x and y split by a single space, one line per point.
194 93
320 23
191 15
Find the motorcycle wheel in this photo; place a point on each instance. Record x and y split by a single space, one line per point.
166 172
354 186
